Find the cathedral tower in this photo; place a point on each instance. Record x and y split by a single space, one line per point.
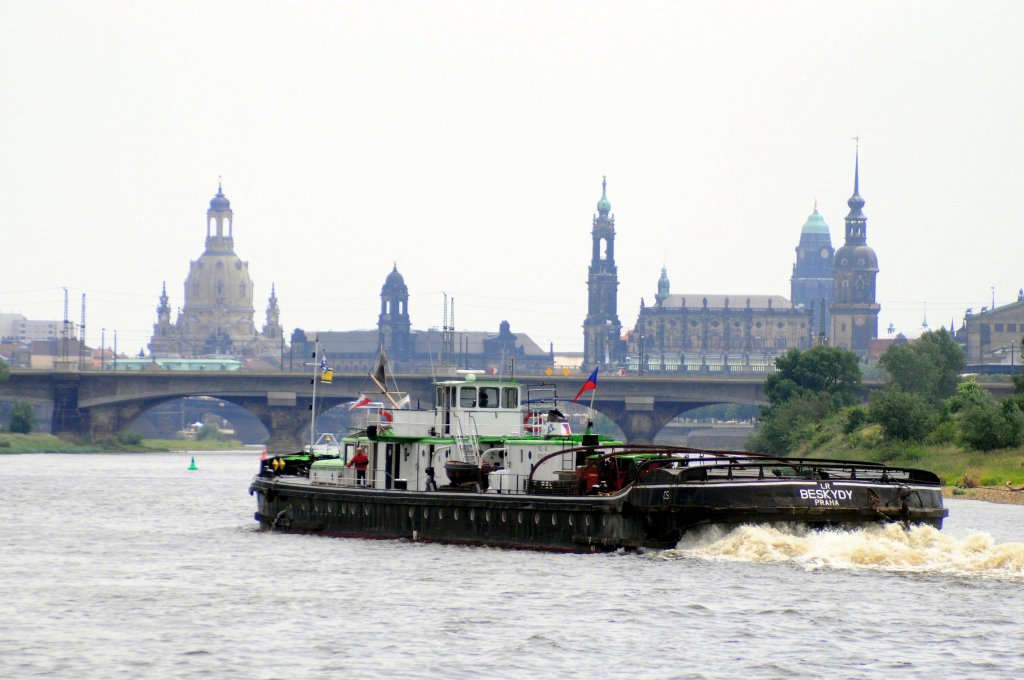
601 330
812 285
393 322
854 310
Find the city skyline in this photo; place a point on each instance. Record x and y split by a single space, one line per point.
468 145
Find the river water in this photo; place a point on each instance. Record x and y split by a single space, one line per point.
130 566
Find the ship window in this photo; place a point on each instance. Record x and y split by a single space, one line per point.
467 397
488 397
509 397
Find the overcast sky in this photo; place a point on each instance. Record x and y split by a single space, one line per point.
466 141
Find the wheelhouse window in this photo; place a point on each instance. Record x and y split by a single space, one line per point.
467 397
510 397
488 397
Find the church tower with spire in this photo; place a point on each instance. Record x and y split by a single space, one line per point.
602 332
273 329
812 285
854 309
393 323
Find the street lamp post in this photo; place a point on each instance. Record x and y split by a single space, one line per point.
641 365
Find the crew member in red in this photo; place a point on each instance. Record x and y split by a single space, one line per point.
360 461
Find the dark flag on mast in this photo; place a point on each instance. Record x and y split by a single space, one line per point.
379 374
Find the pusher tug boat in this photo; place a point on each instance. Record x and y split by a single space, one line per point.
496 463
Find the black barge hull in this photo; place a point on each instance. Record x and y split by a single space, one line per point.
650 516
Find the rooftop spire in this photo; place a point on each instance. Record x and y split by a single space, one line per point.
604 206
856 167
856 203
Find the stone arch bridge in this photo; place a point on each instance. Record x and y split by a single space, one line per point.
97 403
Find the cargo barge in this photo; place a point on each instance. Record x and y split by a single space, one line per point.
491 464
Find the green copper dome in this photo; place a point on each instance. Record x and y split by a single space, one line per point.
604 206
815 224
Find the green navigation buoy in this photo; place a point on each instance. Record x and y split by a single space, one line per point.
192 466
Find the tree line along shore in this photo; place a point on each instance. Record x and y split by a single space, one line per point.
928 415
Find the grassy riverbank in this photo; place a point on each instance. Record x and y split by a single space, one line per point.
955 465
11 443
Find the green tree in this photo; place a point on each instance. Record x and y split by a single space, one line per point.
821 370
5 372
986 424
807 387
788 424
929 367
22 419
904 416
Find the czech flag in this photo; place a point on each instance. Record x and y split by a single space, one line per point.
591 384
360 403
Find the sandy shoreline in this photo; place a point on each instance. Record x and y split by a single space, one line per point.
982 493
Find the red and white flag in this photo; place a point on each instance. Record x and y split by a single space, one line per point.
361 402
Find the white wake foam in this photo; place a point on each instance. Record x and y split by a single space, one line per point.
919 549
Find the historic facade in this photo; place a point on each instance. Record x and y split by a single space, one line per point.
217 317
415 351
993 336
708 333
854 310
602 344
812 286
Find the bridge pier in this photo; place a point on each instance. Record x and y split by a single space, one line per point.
642 418
107 421
286 422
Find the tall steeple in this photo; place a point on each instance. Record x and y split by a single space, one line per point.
856 220
273 329
601 329
854 310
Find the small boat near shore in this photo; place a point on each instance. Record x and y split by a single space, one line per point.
494 464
